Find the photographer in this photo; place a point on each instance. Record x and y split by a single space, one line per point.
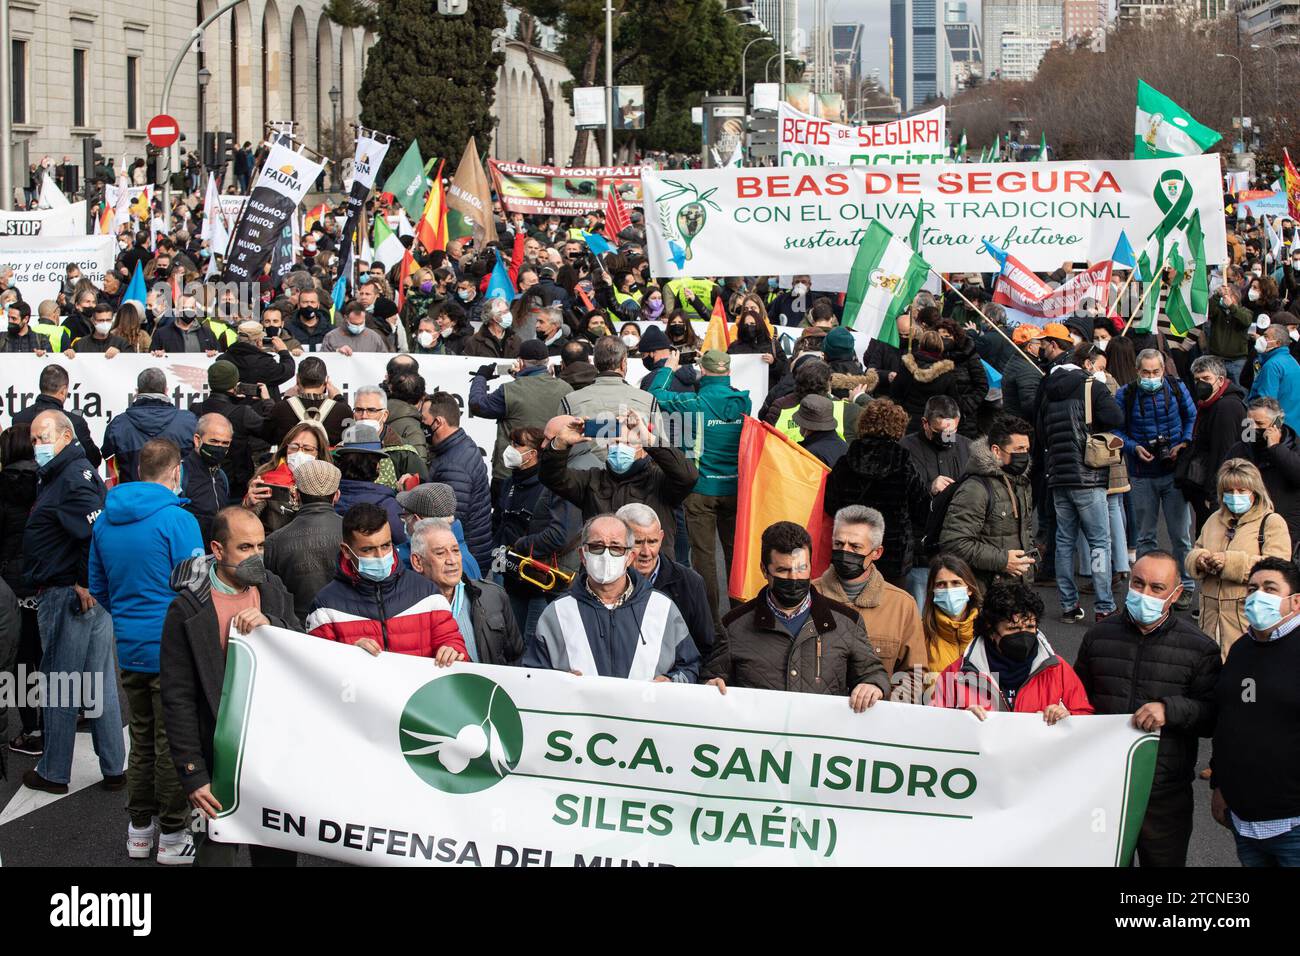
246 406
250 355
1159 417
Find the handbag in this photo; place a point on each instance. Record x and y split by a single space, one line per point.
1104 449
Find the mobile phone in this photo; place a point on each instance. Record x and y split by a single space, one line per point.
248 390
505 368
280 493
600 428
1033 554
687 358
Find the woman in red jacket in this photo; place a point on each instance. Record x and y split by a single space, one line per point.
1009 666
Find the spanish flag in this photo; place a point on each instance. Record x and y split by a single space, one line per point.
778 481
313 216
720 333
431 230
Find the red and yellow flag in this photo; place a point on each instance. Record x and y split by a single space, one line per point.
1292 178
313 216
778 481
403 271
431 230
719 334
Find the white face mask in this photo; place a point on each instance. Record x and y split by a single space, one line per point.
1101 343
1253 295
446 332
799 288
1261 345
631 341
425 339
512 458
1100 376
103 327
604 568
298 459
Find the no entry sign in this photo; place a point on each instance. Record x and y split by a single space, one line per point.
163 130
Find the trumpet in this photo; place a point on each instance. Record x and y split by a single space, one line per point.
539 574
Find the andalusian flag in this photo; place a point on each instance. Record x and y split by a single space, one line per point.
1042 148
885 277
918 228
1163 128
778 481
431 230
995 154
388 248
407 181
1189 290
961 147
1151 305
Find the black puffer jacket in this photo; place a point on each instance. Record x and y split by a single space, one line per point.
1059 424
880 473
1176 665
458 462
17 495
1218 427
972 384
920 377
1280 468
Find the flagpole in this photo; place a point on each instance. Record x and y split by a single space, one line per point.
993 325
1160 281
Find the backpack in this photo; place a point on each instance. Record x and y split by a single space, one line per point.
1295 549
317 414
939 512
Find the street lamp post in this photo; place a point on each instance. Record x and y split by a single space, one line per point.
1276 60
1241 99
743 54
6 111
767 70
609 82
334 96
204 78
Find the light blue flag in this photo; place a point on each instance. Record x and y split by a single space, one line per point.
500 286
1123 254
340 293
135 292
597 243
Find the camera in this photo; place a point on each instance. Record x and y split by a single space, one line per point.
1159 448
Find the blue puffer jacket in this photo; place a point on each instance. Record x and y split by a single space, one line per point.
142 535
1168 412
458 462
468 565
353 492
149 417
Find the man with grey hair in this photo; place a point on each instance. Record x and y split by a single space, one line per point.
370 404
611 395
76 633
889 615
612 622
1271 445
153 414
203 484
548 322
1220 412
1278 374
681 583
1159 419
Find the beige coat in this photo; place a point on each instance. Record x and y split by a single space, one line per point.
893 626
1223 595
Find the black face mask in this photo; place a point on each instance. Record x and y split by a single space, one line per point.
650 362
677 332
15 329
790 592
848 566
1018 646
1203 391
249 572
213 455
1018 465
307 316
942 440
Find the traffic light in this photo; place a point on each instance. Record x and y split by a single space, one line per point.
209 149
225 147
91 160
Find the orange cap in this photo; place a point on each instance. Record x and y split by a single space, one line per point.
1055 330
1023 333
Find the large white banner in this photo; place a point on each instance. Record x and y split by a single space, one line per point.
40 263
772 222
100 388
65 220
411 764
807 140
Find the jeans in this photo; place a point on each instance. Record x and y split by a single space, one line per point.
708 518
1150 497
1083 508
79 644
1234 367
152 786
1118 540
1281 850
917 579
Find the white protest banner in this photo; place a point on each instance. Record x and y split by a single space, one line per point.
99 388
807 140
420 765
773 222
66 220
40 263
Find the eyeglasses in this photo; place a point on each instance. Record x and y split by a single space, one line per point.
617 550
367 411
298 446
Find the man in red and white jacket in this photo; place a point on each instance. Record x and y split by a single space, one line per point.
375 605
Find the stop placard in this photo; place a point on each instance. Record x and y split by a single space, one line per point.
163 130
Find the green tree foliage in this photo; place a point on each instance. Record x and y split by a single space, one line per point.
432 78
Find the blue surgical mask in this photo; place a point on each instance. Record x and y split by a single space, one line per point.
356 329
374 569
1263 610
44 454
506 320
621 458
952 601
1151 384
1238 502
1144 608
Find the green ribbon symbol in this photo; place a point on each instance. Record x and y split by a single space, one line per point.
1174 210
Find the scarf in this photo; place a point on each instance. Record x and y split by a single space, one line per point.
949 640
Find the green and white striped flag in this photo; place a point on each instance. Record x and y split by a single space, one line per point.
1151 304
407 182
388 248
995 154
1042 148
1189 290
885 277
961 148
1163 128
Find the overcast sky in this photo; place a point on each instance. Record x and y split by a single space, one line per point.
874 15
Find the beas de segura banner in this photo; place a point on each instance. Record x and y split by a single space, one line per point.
774 221
807 140
389 760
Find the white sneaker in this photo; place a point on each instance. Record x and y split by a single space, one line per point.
176 852
139 843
